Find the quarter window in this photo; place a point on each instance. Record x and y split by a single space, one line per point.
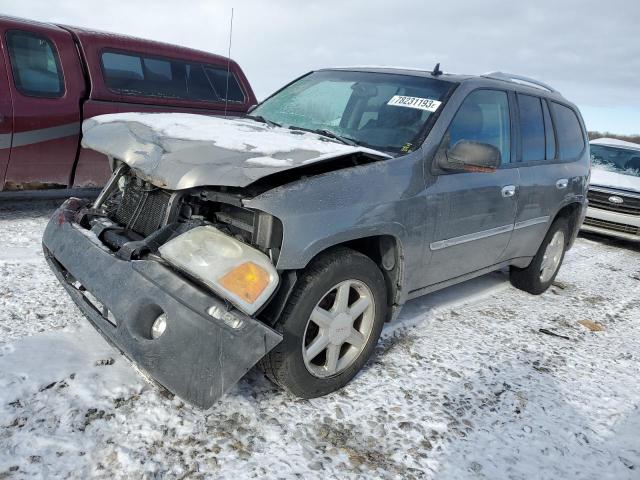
570 136
131 74
484 117
35 65
531 128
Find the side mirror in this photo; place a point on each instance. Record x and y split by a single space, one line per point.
469 156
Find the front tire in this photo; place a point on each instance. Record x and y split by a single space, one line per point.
544 267
330 325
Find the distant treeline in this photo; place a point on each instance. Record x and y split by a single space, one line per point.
627 138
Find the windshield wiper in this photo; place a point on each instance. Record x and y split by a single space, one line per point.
328 133
261 119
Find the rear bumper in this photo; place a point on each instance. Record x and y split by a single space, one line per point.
614 224
199 357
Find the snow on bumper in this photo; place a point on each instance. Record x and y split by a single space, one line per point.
198 357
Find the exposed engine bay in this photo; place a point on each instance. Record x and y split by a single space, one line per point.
134 218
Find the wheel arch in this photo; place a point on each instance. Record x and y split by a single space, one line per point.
385 250
574 213
387 253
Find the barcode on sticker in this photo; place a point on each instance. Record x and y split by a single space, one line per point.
414 102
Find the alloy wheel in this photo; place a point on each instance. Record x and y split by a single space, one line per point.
552 257
338 329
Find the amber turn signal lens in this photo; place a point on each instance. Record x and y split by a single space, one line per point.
247 281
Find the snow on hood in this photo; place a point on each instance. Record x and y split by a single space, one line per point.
605 178
180 150
614 142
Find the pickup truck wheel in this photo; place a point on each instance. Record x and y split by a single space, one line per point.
330 326
542 270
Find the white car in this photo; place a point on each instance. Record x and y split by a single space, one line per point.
614 190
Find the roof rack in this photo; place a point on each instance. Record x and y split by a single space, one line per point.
510 77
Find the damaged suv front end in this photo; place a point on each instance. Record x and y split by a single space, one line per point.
172 290
189 256
173 277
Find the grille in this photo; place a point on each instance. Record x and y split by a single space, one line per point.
143 208
618 227
598 199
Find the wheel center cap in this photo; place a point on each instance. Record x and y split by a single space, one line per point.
341 328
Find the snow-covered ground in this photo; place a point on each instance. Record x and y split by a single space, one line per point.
464 385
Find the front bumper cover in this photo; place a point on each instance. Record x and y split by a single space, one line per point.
198 357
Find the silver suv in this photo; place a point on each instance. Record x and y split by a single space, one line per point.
614 189
290 236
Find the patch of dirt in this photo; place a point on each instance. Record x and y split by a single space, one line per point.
593 326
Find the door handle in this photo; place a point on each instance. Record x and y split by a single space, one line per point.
508 191
562 183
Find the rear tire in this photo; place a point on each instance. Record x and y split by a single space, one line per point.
320 352
544 267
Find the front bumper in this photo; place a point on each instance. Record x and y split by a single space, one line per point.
199 357
614 224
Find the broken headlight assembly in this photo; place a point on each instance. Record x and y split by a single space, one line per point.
232 269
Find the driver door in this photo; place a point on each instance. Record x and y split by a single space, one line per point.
475 210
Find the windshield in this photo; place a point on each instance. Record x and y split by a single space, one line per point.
378 110
613 159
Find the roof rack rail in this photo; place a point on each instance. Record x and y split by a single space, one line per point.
510 77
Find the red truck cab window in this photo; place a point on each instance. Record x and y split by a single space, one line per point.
128 73
35 65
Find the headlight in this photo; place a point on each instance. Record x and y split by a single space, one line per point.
243 275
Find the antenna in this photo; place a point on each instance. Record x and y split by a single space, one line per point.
436 70
226 93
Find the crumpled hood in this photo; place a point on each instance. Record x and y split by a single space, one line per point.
605 178
180 150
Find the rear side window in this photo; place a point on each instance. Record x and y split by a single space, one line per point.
570 136
198 85
531 128
484 117
35 65
136 75
119 68
218 78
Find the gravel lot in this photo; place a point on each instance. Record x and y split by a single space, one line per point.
464 385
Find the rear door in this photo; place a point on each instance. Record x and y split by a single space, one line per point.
548 174
6 117
476 210
46 83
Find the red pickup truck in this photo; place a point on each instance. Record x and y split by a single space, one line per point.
52 77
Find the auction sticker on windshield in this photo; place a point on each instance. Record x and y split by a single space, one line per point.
414 102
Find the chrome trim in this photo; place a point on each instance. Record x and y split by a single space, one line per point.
615 191
450 242
508 191
531 222
22 139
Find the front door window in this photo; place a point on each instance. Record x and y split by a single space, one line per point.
484 117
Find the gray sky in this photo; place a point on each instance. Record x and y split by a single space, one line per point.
589 50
